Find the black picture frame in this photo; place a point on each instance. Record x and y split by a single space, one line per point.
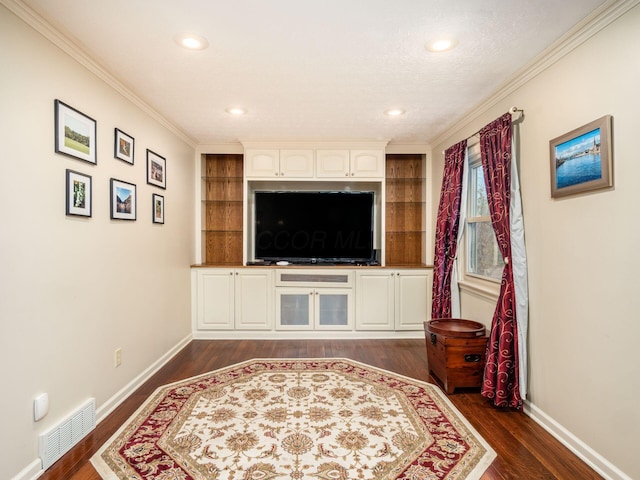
78 198
123 146
75 133
156 169
157 208
123 200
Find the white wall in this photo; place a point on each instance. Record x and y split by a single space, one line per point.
582 251
73 290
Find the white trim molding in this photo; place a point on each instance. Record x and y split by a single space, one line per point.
600 18
40 25
110 405
573 443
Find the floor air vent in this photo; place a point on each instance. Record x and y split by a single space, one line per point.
59 440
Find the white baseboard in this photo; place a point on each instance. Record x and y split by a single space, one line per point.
303 335
588 455
110 405
34 469
31 471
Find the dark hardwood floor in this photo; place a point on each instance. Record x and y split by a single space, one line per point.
525 450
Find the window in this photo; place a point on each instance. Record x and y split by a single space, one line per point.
483 258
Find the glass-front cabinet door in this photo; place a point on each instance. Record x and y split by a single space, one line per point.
309 309
333 309
294 308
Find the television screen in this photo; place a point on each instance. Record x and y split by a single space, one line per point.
300 226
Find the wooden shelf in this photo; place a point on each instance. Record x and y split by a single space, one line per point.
224 166
223 189
403 248
404 190
404 166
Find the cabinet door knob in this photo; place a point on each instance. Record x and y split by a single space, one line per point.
346 174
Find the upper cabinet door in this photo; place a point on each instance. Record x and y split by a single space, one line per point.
262 163
367 163
332 163
296 163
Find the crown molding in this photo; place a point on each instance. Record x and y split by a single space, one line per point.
600 18
40 25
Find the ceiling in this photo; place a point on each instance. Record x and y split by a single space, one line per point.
313 69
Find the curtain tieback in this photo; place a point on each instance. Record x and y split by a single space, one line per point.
506 260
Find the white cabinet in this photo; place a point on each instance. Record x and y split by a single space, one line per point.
314 309
296 163
374 304
228 299
412 299
273 301
215 299
349 163
314 299
332 163
393 299
285 164
367 163
253 299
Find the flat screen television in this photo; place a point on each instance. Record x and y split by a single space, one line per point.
314 227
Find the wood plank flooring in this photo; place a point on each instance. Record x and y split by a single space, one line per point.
525 450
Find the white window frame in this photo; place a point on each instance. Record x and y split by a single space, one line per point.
485 286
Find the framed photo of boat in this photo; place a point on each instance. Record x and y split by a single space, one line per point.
582 159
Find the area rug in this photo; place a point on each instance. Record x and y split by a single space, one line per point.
328 419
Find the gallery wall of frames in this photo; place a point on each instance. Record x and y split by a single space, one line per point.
75 136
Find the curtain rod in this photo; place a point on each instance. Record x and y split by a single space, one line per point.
513 111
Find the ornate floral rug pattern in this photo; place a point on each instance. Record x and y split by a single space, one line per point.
327 419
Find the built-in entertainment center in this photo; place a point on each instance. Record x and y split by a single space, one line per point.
324 238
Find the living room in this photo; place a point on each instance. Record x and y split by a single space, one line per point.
77 289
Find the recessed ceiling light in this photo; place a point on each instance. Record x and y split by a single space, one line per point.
191 41
236 111
394 112
441 44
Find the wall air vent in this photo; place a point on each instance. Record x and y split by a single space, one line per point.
59 440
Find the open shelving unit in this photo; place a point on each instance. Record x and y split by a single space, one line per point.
222 187
404 209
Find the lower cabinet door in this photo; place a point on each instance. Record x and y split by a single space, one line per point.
375 300
413 299
294 308
215 309
333 309
254 299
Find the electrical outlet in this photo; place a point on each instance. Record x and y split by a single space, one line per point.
117 357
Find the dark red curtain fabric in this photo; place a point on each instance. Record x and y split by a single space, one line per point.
500 381
447 224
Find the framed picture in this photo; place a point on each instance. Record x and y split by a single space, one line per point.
158 208
78 197
582 160
156 169
123 200
123 146
75 133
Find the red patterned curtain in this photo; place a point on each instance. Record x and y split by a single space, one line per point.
501 376
447 229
